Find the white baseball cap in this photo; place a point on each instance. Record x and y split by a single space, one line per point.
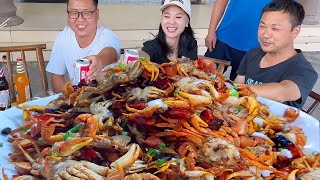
183 4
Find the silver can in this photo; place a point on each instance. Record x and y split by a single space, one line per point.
80 71
130 55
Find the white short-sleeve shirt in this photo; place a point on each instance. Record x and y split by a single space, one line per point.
66 49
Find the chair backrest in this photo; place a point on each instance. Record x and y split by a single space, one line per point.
313 106
37 48
220 63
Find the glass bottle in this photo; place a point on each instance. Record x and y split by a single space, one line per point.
5 101
21 84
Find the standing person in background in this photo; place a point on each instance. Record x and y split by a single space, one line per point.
83 38
237 32
276 70
175 38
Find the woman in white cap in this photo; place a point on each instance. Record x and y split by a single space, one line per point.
175 38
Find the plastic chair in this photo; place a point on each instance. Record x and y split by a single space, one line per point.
314 105
38 50
222 64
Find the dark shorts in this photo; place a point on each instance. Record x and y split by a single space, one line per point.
225 52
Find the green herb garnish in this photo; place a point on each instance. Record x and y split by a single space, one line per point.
124 133
280 149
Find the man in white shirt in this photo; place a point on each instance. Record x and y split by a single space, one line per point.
83 38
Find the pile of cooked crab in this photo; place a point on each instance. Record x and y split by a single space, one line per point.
177 120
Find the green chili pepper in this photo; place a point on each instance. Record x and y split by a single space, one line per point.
162 147
110 123
25 129
143 59
176 92
259 127
70 131
67 135
124 123
152 152
234 92
124 133
75 128
41 142
161 161
314 154
122 66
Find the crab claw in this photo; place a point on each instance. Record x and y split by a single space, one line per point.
129 158
92 123
196 100
68 147
176 103
151 68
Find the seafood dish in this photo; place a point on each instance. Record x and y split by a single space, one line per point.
177 120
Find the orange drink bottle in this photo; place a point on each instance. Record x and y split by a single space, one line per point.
21 83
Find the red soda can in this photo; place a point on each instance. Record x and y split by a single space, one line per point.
80 71
130 56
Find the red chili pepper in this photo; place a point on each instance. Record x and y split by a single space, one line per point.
296 153
118 104
142 121
200 64
178 113
206 115
139 105
161 83
89 154
42 118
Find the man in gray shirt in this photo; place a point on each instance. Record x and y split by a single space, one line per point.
276 70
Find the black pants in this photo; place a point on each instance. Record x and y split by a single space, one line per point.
225 52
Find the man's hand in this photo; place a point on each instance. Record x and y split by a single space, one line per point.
95 67
211 40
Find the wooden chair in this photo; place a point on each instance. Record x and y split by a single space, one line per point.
222 64
37 48
314 105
